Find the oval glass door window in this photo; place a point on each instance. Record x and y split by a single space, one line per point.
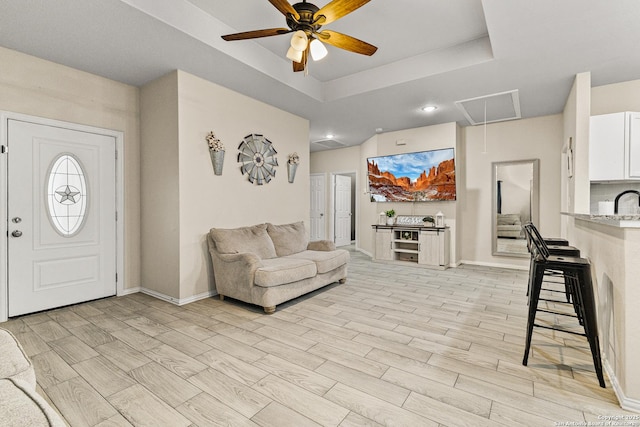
67 195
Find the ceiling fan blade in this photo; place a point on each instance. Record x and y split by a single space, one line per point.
256 34
300 66
346 42
285 7
336 10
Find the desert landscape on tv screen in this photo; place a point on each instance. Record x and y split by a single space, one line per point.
413 177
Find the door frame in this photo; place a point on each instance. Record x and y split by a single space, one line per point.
332 203
5 116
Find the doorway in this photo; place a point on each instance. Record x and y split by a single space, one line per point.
59 190
317 207
343 202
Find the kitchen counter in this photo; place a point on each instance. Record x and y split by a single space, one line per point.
622 221
612 244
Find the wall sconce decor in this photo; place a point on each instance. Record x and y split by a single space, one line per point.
216 151
292 166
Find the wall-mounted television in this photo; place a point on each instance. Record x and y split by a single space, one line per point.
423 176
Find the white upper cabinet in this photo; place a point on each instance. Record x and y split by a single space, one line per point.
634 145
614 147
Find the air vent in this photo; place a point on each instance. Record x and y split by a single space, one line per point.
498 107
329 143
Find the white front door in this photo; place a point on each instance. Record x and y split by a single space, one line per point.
318 201
342 210
62 216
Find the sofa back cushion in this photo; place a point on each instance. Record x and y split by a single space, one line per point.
252 239
288 239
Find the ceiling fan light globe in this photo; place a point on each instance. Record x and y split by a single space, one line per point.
318 50
299 40
294 55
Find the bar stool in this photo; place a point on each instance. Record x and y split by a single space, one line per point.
554 245
577 274
530 231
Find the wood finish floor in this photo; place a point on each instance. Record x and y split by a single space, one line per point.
394 346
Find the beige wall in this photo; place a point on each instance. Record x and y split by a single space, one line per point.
470 216
36 87
160 223
615 98
576 196
198 200
345 160
536 138
355 158
368 211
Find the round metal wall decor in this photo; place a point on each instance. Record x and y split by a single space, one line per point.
257 156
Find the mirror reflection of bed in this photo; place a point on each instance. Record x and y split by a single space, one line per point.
515 202
509 234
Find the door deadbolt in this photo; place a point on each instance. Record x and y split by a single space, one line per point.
17 220
16 233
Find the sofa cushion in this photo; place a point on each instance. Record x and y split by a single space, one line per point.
288 238
252 239
20 405
280 271
14 362
325 260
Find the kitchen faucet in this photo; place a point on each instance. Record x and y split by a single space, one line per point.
615 204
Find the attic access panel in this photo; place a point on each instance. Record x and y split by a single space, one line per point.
329 143
498 107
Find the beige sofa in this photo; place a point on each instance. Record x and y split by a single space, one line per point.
20 404
268 264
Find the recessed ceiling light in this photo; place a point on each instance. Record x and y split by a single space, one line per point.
429 108
330 136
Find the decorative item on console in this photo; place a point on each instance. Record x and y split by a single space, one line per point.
382 218
429 219
439 219
216 151
390 214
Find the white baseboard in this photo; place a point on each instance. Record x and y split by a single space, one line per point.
625 402
496 264
129 291
177 301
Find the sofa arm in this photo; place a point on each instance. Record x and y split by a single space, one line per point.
234 274
321 245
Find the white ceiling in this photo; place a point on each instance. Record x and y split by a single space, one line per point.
429 52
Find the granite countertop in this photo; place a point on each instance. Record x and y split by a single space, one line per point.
623 221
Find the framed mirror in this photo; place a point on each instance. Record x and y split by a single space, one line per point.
515 202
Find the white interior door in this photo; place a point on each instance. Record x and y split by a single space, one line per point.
342 210
318 201
62 216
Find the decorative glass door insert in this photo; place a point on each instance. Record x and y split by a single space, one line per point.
66 195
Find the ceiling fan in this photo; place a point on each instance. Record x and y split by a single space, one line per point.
305 21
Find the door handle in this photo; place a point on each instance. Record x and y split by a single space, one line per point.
17 220
16 233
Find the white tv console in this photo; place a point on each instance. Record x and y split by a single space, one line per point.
421 245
